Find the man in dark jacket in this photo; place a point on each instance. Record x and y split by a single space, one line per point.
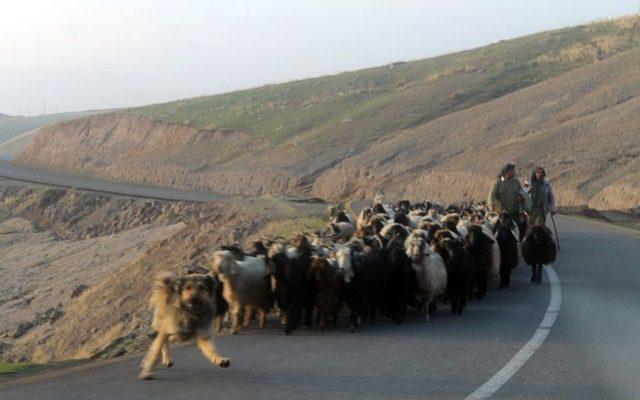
508 195
542 198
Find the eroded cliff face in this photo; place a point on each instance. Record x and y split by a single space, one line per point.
137 149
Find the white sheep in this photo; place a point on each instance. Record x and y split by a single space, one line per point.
342 230
245 286
430 272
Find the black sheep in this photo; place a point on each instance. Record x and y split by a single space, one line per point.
359 273
294 290
459 264
480 247
508 243
538 249
400 280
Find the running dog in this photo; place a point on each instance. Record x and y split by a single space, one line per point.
184 309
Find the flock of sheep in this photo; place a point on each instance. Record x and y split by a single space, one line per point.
391 258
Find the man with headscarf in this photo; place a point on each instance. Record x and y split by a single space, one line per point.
542 198
508 195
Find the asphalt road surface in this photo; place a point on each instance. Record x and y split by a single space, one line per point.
9 170
591 352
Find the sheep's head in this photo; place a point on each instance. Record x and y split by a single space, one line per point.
224 263
451 221
416 246
539 234
476 238
332 211
343 258
366 214
320 269
276 259
453 247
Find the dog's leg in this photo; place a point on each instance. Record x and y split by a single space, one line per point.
217 321
152 355
167 361
235 316
209 350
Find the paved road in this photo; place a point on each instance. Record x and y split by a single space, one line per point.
592 351
9 170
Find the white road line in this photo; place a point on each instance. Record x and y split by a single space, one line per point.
522 356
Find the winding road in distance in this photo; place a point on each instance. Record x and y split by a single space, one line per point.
575 338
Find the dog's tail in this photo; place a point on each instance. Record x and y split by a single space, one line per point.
163 288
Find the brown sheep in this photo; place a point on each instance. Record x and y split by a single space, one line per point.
329 290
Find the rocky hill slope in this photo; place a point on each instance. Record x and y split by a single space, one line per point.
584 126
565 98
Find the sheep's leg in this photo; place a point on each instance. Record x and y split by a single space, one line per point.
246 321
167 361
324 318
294 313
424 310
433 308
539 279
353 319
262 317
308 316
482 287
533 273
209 350
461 304
151 357
454 305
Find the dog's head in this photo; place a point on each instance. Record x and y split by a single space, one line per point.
197 292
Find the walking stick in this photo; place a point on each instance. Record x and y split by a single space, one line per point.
556 230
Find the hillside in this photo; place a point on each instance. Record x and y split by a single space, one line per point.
362 131
583 126
2 116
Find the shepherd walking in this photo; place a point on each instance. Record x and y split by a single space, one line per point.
542 198
507 194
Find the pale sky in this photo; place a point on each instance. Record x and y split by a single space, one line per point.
90 54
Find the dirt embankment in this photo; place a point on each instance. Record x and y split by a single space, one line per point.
78 266
131 148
